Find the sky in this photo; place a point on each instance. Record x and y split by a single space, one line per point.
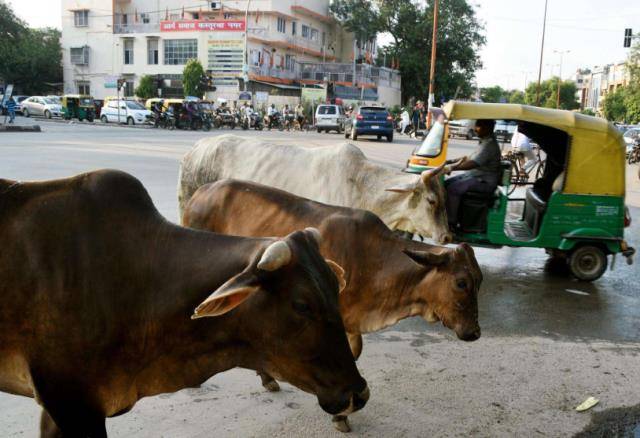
591 30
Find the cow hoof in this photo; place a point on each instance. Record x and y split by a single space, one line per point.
272 386
341 423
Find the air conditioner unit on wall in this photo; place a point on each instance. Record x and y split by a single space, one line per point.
216 6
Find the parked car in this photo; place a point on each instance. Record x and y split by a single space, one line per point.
41 106
462 128
370 120
19 99
504 130
130 112
330 118
631 136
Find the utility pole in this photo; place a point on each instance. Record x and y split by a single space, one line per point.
562 53
544 29
432 74
245 69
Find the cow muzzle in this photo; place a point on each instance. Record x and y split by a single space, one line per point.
469 335
347 403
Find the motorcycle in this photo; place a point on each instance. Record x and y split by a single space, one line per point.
225 118
274 121
289 121
633 156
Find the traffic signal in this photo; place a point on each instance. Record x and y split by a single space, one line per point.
628 35
121 82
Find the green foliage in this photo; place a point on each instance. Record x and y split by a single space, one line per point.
31 58
613 106
549 94
588 112
632 91
146 88
495 94
410 24
516 96
191 76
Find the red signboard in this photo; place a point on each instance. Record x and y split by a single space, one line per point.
202 26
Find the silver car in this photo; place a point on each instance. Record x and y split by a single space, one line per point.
41 106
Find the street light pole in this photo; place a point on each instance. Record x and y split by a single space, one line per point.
246 48
562 53
544 29
432 74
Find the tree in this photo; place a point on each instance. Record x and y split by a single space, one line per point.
410 25
31 58
516 96
495 94
613 106
146 88
549 94
632 91
191 78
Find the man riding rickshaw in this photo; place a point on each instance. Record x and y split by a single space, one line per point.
575 210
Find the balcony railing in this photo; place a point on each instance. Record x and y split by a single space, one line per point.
136 28
364 73
275 72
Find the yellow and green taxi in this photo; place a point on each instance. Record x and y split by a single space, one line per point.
76 106
575 210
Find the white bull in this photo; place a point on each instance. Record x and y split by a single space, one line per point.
338 175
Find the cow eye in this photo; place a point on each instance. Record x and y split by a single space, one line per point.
301 307
462 284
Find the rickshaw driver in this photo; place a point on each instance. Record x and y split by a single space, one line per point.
483 170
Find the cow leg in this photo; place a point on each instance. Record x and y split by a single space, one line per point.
355 342
48 427
268 382
341 422
68 412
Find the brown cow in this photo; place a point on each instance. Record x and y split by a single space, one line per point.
388 278
98 295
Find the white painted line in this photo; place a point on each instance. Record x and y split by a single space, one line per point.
577 292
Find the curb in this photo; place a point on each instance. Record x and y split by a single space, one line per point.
19 128
95 123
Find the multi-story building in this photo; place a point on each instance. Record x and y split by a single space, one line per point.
274 46
594 85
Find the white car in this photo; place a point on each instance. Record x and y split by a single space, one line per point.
40 106
330 118
130 112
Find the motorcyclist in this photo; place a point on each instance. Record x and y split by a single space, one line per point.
271 114
157 110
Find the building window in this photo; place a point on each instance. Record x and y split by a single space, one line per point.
81 18
305 31
178 52
145 17
128 88
80 55
314 35
152 52
290 62
128 52
282 25
84 87
294 27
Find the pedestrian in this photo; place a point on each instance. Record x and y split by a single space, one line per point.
521 145
11 109
415 119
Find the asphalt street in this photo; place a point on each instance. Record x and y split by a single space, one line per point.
548 342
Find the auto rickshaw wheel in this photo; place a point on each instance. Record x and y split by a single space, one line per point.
588 262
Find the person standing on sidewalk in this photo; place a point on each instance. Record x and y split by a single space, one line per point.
11 109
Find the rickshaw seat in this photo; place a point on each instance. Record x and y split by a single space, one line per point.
534 209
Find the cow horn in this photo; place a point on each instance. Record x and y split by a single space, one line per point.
431 173
277 255
315 233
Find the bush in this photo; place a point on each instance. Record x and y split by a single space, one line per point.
146 88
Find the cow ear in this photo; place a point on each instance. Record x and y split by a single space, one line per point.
405 188
339 272
228 296
429 259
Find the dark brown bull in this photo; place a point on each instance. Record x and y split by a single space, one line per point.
388 278
98 296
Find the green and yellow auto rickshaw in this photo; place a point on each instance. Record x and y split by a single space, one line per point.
75 106
575 210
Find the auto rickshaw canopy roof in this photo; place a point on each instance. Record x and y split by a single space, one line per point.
79 97
596 154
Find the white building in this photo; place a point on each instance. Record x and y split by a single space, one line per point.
288 44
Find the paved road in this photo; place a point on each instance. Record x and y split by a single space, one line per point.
548 342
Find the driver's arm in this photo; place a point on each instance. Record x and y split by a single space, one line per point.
465 165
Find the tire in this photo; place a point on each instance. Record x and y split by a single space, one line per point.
340 129
354 134
25 112
469 135
319 130
104 119
379 137
130 121
390 138
515 178
90 119
346 134
47 114
588 263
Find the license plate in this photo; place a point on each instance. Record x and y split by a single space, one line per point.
375 127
